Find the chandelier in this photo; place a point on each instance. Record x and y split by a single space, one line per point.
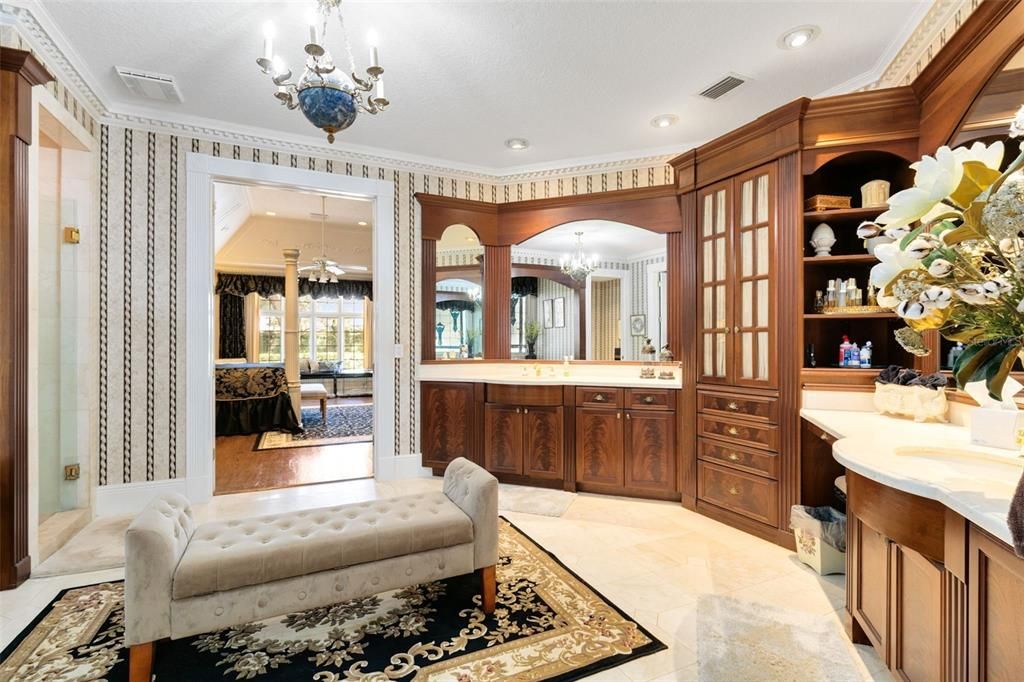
328 97
577 265
323 269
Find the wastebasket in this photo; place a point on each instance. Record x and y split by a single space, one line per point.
820 534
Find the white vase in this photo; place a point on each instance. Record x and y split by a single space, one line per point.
823 239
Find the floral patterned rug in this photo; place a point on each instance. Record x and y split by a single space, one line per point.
345 424
548 625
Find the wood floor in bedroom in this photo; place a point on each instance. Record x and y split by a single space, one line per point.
241 468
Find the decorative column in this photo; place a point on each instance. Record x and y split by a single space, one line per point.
19 71
291 329
428 290
497 302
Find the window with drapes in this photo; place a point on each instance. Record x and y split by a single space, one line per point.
331 331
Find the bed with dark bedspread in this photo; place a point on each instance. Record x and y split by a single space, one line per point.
253 398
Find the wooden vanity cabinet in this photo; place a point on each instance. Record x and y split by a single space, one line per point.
524 441
995 606
626 441
449 424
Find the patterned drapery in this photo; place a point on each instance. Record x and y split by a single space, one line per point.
521 288
268 285
456 305
232 326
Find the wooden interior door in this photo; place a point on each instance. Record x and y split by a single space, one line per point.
503 439
543 442
754 282
599 446
714 325
650 450
449 426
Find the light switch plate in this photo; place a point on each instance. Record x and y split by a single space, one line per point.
399 350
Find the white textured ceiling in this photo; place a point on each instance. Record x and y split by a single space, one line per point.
580 80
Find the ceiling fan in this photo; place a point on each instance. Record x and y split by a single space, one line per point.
323 269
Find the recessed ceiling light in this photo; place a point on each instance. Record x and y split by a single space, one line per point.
798 37
664 120
517 143
363 223
271 213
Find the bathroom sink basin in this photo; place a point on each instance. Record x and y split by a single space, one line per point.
961 454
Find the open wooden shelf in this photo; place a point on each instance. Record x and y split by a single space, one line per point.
841 259
847 214
849 316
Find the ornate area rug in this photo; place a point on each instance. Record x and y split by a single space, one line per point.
345 424
548 625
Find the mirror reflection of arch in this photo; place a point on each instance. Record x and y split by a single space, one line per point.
458 295
590 319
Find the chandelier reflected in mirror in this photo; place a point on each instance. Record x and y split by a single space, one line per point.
329 98
577 265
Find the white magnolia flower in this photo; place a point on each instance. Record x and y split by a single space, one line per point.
868 230
940 268
1017 125
937 177
893 262
973 293
936 297
990 155
911 310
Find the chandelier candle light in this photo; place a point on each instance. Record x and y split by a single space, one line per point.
578 266
328 97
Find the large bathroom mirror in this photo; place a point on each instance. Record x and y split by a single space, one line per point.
458 295
591 289
989 116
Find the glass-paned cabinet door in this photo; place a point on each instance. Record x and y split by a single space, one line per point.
755 243
714 258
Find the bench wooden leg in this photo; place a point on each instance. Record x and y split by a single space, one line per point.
140 662
323 409
488 588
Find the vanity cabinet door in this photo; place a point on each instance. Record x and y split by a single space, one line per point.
754 249
916 616
995 595
599 446
503 438
650 450
871 582
715 278
543 442
448 424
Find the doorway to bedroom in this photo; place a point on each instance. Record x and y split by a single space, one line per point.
274 432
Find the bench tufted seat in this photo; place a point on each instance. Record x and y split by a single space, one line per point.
183 580
223 556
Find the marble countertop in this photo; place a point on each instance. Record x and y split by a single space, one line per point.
612 375
883 449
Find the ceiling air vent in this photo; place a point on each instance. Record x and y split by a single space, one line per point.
727 84
158 86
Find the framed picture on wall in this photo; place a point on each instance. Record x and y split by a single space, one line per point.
638 324
547 312
559 312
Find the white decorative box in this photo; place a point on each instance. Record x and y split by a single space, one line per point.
995 427
918 402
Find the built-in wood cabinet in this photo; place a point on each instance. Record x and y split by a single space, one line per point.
503 439
524 441
543 442
448 419
650 444
736 224
937 597
600 446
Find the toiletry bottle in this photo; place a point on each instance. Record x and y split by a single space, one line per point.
854 360
819 301
565 366
811 360
865 355
844 349
830 296
841 295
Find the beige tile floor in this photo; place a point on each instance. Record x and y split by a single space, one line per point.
656 561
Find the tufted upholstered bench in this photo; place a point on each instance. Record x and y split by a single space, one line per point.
182 579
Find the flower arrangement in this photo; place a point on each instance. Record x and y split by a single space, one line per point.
956 262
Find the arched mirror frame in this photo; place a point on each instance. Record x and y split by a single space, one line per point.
500 226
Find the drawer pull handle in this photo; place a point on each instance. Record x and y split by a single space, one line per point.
526 410
733 491
599 397
649 399
628 416
732 405
732 431
734 457
618 415
519 410
824 436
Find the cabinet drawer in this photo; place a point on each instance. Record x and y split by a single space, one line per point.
762 436
747 459
650 399
749 407
590 396
753 496
511 394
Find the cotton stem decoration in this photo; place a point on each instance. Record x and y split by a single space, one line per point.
956 262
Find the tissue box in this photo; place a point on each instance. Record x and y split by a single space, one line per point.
995 427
